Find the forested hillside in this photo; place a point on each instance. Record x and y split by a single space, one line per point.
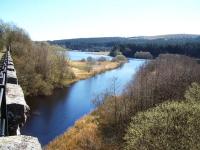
175 44
189 47
89 44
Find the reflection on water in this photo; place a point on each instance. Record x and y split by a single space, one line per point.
52 115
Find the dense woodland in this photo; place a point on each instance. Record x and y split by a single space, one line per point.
40 66
159 109
189 48
174 44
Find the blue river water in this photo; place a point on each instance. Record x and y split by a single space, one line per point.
53 115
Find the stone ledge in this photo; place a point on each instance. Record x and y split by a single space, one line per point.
20 142
12 77
11 68
17 108
15 95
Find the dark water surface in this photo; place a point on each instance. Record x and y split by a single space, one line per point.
52 115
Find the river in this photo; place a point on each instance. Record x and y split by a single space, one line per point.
52 115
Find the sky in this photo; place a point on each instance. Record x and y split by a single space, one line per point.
65 19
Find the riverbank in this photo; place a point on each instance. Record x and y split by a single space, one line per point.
84 129
84 70
110 122
60 110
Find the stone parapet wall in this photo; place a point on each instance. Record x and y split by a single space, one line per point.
17 113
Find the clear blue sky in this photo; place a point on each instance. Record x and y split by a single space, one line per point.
58 19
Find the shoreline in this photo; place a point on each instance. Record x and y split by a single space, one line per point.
69 82
79 78
92 73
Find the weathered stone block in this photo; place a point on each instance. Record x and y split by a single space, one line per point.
10 68
19 143
17 108
12 77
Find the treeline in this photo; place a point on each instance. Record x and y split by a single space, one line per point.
159 109
89 44
40 67
189 48
185 44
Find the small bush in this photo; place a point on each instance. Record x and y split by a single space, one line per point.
193 93
119 58
90 59
83 60
144 55
102 59
114 53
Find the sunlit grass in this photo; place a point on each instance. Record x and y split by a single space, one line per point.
83 70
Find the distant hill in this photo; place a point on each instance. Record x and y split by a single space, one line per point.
186 44
168 36
90 44
106 43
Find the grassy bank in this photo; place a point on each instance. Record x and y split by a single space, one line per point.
84 70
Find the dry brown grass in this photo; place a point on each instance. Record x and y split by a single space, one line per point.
83 135
81 72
